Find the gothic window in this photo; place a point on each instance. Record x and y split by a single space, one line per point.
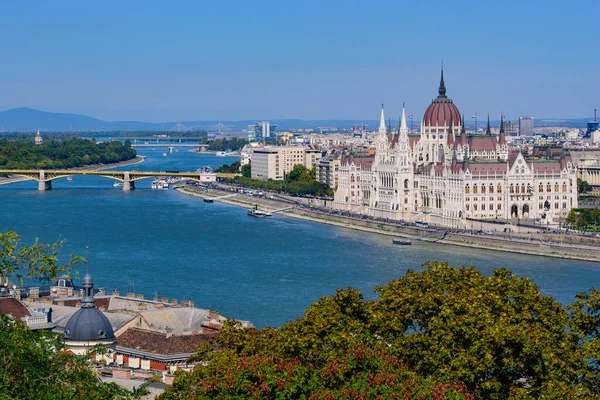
556 205
467 189
517 188
475 207
483 188
541 206
491 188
483 207
499 189
512 188
564 205
475 188
499 206
556 187
467 207
564 187
406 184
491 207
541 187
548 187
523 190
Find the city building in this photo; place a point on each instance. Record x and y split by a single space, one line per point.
274 162
525 126
328 169
511 128
592 126
262 132
448 177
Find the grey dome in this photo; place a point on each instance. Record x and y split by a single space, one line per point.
89 324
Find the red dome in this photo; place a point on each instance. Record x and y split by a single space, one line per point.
442 110
439 113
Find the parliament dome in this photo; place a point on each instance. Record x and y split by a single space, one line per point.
441 110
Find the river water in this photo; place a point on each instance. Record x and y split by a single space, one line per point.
266 271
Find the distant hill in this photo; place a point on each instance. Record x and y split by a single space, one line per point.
28 119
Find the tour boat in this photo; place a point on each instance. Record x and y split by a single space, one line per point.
69 178
221 153
207 200
403 242
255 212
160 184
118 184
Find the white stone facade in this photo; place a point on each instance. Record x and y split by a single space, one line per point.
447 177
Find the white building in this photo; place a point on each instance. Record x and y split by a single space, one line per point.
445 176
274 162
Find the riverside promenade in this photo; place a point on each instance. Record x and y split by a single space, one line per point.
555 245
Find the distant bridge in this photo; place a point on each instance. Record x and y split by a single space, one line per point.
45 177
168 145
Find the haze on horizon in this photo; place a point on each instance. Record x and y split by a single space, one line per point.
158 61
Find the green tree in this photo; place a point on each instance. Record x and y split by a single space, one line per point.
38 261
496 337
583 186
246 171
34 367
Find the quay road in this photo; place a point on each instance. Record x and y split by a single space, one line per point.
554 244
45 177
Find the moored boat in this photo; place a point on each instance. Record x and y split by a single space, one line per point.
207 200
402 242
255 212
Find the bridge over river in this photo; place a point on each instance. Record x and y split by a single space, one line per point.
45 177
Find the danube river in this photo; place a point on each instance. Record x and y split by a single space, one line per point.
266 271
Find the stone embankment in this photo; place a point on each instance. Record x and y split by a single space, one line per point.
551 245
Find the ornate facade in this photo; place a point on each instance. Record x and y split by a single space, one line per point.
445 176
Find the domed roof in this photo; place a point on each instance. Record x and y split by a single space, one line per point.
441 110
88 323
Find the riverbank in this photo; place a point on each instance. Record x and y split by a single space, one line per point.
133 161
540 245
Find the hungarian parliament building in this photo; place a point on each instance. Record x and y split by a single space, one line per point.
445 176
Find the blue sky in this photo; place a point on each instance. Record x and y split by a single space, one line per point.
231 60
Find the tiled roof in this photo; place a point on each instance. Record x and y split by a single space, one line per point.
480 143
364 162
13 307
159 343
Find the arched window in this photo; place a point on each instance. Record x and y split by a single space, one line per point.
564 205
475 207
556 187
475 188
512 188
523 190
564 187
491 188
483 188
517 188
406 184
541 188
467 207
467 189
499 189
548 187
541 206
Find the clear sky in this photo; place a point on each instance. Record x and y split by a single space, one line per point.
324 59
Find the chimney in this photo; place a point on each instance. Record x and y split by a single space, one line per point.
115 292
164 300
139 296
131 295
174 301
34 293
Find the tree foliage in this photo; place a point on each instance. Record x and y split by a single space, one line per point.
583 186
233 144
34 367
38 261
299 181
62 153
439 333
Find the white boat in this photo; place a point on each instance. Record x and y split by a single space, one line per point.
164 154
221 153
69 178
160 184
118 184
255 212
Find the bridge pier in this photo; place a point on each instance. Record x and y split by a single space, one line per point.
44 184
128 184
